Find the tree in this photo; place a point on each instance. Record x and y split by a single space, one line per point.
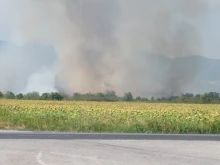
128 96
100 97
110 94
138 98
144 99
159 99
173 98
77 96
205 98
89 97
9 95
152 99
56 96
198 95
45 96
1 95
20 96
32 96
214 95
65 96
189 95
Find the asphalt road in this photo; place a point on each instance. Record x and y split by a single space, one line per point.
30 148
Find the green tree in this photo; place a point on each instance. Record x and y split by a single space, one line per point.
56 96
128 96
152 99
19 96
205 98
76 96
100 97
32 96
45 96
1 95
144 99
138 98
111 96
9 95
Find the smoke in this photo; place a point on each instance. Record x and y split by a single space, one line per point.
97 45
92 49
19 63
152 34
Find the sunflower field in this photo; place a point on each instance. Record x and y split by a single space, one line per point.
117 117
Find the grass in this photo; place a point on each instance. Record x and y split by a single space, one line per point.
117 117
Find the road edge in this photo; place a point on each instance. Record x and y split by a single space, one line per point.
104 136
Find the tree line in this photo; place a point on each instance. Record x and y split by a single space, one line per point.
211 97
32 96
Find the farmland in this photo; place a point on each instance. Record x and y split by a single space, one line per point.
117 117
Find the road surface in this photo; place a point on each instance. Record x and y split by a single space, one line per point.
30 148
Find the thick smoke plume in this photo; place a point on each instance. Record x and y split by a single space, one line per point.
98 45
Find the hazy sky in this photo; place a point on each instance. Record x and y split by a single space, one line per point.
211 31
94 45
209 27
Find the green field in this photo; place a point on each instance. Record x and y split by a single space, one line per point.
117 117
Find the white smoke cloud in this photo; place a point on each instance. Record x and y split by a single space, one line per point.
41 81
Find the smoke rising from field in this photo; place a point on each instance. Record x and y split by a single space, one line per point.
97 45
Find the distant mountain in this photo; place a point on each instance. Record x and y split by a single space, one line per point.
199 74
